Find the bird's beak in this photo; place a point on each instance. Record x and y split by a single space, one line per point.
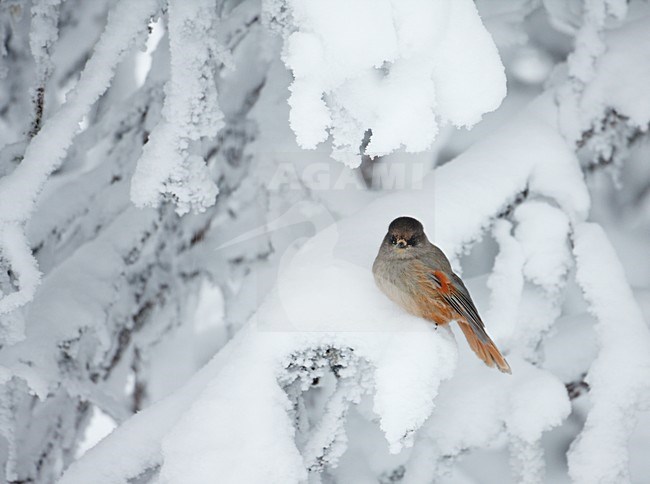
401 243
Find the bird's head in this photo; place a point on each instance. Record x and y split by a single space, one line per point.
404 235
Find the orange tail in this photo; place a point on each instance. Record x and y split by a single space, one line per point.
487 351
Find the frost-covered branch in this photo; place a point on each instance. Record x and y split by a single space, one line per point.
170 165
44 154
323 445
118 282
46 151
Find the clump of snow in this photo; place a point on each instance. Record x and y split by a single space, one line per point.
405 388
528 415
191 111
399 68
530 272
538 312
506 282
473 411
543 232
538 402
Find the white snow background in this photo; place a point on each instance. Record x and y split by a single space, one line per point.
135 247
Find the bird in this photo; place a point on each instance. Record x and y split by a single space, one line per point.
416 274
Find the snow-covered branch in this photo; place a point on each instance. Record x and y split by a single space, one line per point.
619 378
407 368
309 374
44 154
169 164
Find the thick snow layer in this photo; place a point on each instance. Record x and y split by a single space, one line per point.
398 67
325 297
471 411
620 375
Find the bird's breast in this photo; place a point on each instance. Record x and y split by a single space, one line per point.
401 283
393 279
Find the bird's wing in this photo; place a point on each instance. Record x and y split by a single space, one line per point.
445 286
454 292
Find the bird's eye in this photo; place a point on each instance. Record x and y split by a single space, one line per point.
393 240
411 241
